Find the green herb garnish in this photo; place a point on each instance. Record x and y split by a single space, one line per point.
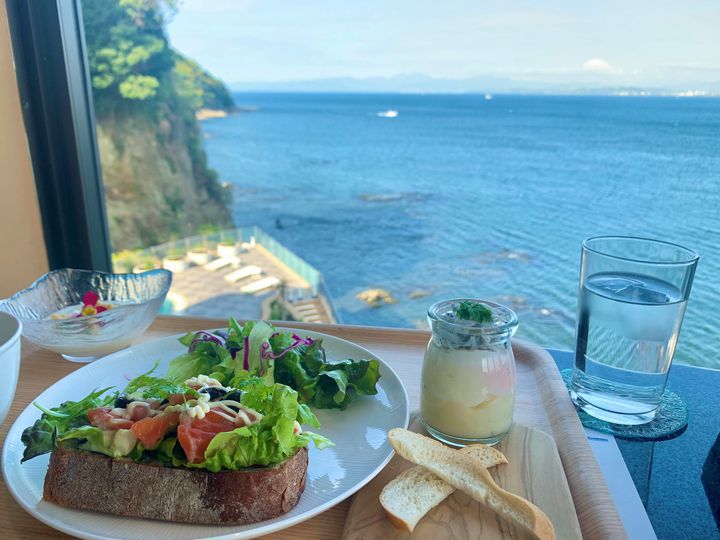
473 311
148 386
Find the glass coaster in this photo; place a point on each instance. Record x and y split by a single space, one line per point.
670 421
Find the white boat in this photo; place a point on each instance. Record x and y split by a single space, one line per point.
488 97
388 114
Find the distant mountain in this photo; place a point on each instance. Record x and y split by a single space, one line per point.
425 84
404 83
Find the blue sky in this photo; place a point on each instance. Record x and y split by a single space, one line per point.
583 42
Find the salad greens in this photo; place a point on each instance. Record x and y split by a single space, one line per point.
40 438
259 349
147 386
278 374
271 440
473 311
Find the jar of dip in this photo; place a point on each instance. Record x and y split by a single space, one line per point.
468 375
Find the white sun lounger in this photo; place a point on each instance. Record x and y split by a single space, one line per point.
222 262
260 284
242 273
306 309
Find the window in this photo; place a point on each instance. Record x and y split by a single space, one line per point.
330 161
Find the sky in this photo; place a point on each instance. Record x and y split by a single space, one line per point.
586 43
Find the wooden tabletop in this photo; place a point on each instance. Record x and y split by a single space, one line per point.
402 349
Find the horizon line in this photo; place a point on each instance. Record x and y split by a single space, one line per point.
590 93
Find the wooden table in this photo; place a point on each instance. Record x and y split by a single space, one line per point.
41 368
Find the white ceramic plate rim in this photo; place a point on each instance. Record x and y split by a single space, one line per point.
63 526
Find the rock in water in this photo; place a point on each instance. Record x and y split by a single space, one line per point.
418 293
376 297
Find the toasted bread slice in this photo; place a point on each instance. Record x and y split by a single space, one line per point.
466 474
416 491
90 481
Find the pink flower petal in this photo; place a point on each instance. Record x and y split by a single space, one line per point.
90 298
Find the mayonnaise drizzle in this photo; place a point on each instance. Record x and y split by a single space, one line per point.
127 412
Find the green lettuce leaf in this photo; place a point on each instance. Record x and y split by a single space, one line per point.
362 375
306 417
189 365
320 442
246 328
332 386
207 357
90 438
187 339
170 453
268 442
257 338
340 380
313 357
41 437
289 370
235 329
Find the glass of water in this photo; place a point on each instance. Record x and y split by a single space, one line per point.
632 299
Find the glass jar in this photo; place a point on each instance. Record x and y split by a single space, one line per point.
468 376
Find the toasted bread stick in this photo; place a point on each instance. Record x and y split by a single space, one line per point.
466 474
416 491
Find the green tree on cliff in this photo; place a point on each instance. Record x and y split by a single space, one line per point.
128 52
144 91
131 59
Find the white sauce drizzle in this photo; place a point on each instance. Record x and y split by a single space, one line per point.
127 412
203 381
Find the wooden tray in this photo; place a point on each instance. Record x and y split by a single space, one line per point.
542 403
534 471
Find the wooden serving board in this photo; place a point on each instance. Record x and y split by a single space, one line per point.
534 471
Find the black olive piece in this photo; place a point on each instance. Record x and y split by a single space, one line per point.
214 392
122 402
164 401
233 395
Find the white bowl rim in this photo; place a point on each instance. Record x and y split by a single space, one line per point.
15 336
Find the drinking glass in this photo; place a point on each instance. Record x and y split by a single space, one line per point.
632 299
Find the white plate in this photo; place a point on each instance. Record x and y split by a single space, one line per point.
360 433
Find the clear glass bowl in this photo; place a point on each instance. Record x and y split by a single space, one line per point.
137 299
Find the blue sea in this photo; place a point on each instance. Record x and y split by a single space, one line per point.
463 196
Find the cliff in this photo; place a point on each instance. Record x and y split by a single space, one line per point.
158 185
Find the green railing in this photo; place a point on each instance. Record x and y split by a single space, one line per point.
124 261
292 261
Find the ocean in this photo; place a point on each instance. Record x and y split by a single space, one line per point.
464 196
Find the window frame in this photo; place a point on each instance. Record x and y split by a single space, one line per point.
56 97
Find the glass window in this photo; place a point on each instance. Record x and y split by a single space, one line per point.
354 162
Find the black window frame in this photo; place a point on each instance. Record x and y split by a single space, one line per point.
56 97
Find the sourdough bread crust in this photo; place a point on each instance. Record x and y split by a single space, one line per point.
90 481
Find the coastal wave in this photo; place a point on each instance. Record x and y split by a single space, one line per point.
491 257
414 196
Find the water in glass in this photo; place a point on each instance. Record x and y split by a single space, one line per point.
628 326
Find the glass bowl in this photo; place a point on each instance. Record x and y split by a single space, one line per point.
136 301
